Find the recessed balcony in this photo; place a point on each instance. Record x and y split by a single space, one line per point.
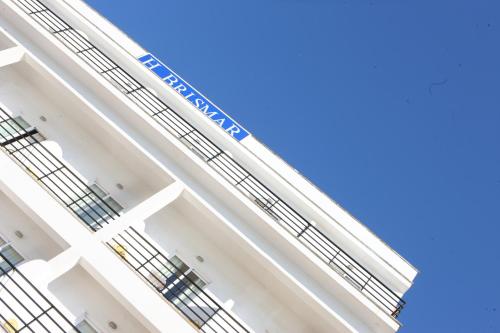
25 252
319 243
25 307
23 241
90 305
287 216
176 281
82 160
181 253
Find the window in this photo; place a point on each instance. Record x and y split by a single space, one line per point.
177 281
107 198
10 127
181 285
13 127
91 209
85 327
9 253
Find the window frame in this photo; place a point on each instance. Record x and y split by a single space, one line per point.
101 194
19 119
85 317
106 196
184 277
10 243
178 279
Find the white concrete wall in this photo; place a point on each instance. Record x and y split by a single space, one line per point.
35 244
89 148
75 293
82 296
232 282
257 270
314 204
283 318
125 287
5 42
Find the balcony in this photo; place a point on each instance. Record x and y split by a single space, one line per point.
261 195
91 304
46 287
175 281
25 146
23 307
210 274
78 158
84 305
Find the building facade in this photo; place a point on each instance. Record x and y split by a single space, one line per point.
129 202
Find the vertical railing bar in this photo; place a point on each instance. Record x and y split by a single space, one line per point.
14 270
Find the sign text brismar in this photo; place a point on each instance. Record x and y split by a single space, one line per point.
192 95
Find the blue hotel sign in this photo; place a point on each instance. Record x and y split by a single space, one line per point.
192 95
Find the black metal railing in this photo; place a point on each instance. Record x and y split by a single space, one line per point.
173 281
23 308
223 163
23 144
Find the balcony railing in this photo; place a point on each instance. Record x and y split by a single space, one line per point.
23 308
25 145
175 282
232 171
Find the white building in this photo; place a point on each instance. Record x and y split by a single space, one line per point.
130 203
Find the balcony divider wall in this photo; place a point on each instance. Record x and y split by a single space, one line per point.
287 217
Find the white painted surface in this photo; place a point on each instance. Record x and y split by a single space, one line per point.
334 216
82 296
138 299
260 273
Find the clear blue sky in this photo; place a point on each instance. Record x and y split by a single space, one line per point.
392 107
